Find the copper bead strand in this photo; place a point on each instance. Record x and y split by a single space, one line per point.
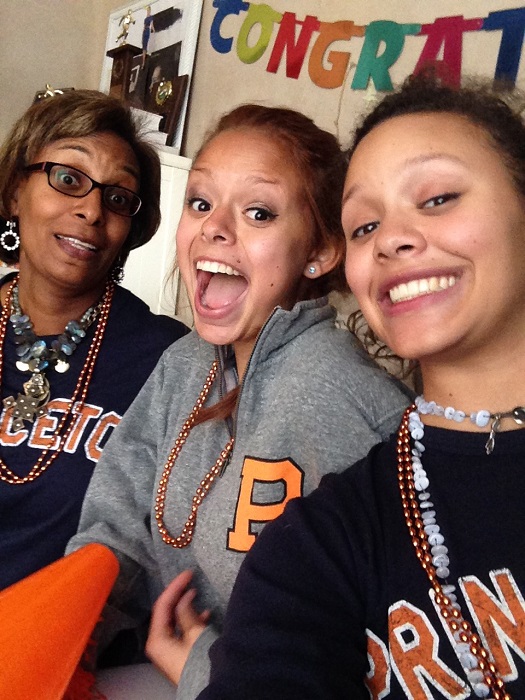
186 536
77 400
452 616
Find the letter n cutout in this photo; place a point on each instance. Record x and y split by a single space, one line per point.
499 618
240 538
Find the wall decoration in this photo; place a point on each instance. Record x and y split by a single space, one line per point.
156 48
384 41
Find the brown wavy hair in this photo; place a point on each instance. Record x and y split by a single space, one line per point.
75 114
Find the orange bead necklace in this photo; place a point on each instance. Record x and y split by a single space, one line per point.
432 555
186 536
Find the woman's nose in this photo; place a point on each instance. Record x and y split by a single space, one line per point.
396 239
218 227
90 207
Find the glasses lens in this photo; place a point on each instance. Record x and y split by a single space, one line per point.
76 184
69 181
121 200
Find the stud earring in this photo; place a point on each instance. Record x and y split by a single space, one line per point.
9 239
311 269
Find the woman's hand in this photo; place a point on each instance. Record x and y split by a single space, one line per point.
174 627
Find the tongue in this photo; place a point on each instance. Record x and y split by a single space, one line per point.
223 290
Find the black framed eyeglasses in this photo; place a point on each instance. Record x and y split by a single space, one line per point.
75 183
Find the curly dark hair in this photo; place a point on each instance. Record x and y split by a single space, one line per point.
75 114
492 106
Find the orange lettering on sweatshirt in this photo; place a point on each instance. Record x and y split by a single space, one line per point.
378 678
240 538
414 647
94 443
501 623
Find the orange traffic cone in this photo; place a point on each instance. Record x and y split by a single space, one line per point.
46 621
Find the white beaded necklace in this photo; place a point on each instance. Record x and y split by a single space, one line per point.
479 418
429 541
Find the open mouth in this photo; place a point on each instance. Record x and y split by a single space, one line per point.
81 245
219 285
419 288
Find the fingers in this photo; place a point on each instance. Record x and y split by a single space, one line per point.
163 615
185 615
174 627
205 616
189 623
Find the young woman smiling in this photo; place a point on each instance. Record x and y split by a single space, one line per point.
217 442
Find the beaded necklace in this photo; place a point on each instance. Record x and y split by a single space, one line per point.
432 553
479 418
76 402
186 536
35 357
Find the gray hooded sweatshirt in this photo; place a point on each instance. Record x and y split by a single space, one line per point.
311 402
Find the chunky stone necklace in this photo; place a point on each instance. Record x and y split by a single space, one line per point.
35 357
66 423
432 553
186 536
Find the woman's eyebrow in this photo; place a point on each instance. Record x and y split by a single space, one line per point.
421 159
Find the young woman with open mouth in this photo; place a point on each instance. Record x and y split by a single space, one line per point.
217 442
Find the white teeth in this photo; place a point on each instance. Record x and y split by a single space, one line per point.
77 243
424 286
417 288
413 288
209 266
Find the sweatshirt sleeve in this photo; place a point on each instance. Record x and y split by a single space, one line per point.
295 621
116 509
196 673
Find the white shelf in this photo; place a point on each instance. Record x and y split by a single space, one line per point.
149 271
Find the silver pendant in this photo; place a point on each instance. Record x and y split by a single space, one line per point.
32 404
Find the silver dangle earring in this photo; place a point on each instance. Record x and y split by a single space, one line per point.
9 239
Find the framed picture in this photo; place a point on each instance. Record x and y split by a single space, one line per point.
151 50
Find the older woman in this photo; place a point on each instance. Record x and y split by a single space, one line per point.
79 188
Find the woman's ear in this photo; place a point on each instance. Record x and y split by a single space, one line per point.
322 261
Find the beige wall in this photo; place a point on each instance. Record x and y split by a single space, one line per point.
60 42
63 41
221 80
